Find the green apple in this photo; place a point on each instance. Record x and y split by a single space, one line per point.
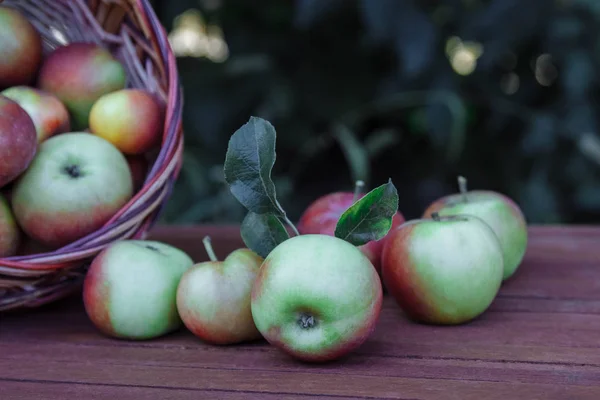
129 292
501 213
444 270
10 235
316 297
74 185
213 297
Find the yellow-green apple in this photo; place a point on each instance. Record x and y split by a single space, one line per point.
316 297
129 291
500 212
443 270
79 74
322 215
213 297
131 119
74 185
18 140
10 235
21 49
48 114
138 164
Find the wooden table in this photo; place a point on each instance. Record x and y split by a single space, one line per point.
539 340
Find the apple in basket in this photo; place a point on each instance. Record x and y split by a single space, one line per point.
21 47
316 297
213 297
10 235
322 215
129 292
79 74
18 140
443 270
500 212
131 119
74 185
48 114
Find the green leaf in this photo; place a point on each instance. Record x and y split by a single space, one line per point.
370 218
263 232
248 163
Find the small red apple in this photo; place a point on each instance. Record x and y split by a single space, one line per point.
213 297
322 215
79 74
131 119
48 114
21 49
18 140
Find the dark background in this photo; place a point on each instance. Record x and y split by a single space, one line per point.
502 91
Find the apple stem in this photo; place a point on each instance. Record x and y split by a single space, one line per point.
462 186
209 249
435 216
358 188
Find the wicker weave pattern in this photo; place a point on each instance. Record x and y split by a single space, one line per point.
132 32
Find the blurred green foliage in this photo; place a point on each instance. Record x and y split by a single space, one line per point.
369 89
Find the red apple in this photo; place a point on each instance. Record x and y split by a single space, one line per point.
444 270
48 114
21 49
321 217
79 74
131 119
10 235
213 297
18 140
316 297
74 185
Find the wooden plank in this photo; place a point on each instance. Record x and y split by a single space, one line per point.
293 383
34 390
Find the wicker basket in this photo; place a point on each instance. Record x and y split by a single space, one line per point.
132 32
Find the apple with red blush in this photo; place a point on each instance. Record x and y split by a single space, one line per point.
48 113
21 48
322 215
74 185
213 297
79 74
131 119
444 270
18 140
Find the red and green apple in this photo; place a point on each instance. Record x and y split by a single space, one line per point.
213 297
316 297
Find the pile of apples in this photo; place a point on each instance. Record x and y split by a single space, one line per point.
74 140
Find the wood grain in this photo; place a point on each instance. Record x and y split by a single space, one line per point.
540 339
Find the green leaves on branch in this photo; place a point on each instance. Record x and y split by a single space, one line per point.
248 165
370 218
263 232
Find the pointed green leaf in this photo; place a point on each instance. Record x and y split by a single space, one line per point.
248 163
263 232
370 218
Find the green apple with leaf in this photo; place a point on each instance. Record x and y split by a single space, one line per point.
500 212
317 297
